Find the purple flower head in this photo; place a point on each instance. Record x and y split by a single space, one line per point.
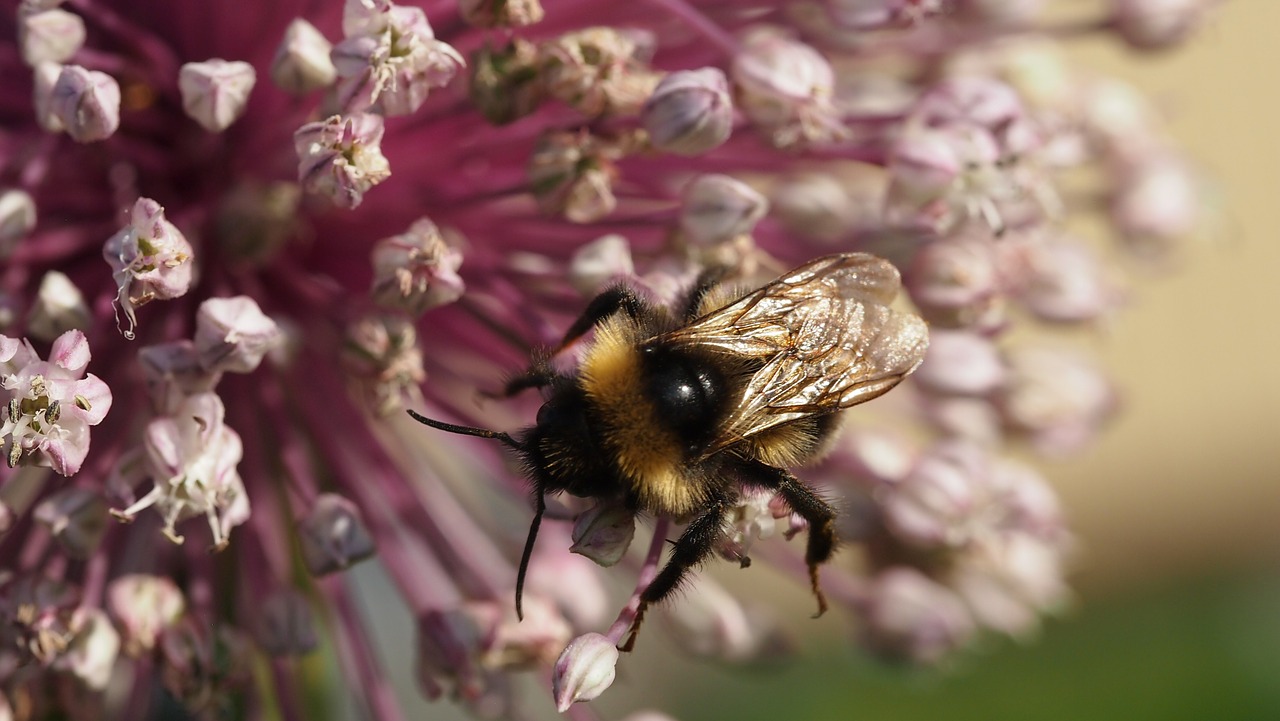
273 299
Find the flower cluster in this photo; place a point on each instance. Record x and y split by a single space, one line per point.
277 241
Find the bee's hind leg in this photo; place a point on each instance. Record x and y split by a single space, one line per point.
810 506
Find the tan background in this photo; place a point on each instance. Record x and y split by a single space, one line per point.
1188 478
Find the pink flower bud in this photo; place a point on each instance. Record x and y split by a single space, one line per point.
17 219
216 91
144 605
907 616
150 260
95 645
77 517
943 503
876 455
44 78
333 536
49 36
718 208
690 112
823 207
416 270
1009 583
604 260
341 158
1056 397
1058 279
710 623
302 63
603 533
960 363
955 282
584 670
285 627
1155 202
233 334
501 13
87 103
1157 24
785 87
59 307
969 100
172 372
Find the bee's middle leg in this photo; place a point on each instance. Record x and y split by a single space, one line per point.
689 551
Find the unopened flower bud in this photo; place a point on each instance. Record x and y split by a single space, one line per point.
332 536
501 13
969 101
1157 24
216 91
77 517
690 112
17 219
43 78
584 670
92 651
960 363
87 103
286 627
302 63
1009 583
49 36
600 262
1058 279
233 334
786 87
822 206
1057 397
341 158
943 503
144 605
908 616
172 371
505 82
955 282
59 307
1156 202
573 582
603 533
710 623
416 270
718 208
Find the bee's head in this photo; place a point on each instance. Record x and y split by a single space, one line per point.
563 449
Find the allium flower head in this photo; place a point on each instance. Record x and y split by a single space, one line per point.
412 212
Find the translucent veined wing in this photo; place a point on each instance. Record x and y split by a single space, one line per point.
825 335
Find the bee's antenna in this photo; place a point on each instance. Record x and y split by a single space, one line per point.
467 430
528 552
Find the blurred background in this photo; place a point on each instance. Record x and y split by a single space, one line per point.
1177 508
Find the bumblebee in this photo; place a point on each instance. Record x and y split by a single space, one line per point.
674 411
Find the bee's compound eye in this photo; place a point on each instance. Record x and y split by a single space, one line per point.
550 414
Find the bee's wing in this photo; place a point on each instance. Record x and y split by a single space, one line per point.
826 335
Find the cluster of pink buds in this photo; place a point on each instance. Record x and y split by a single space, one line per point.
311 224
